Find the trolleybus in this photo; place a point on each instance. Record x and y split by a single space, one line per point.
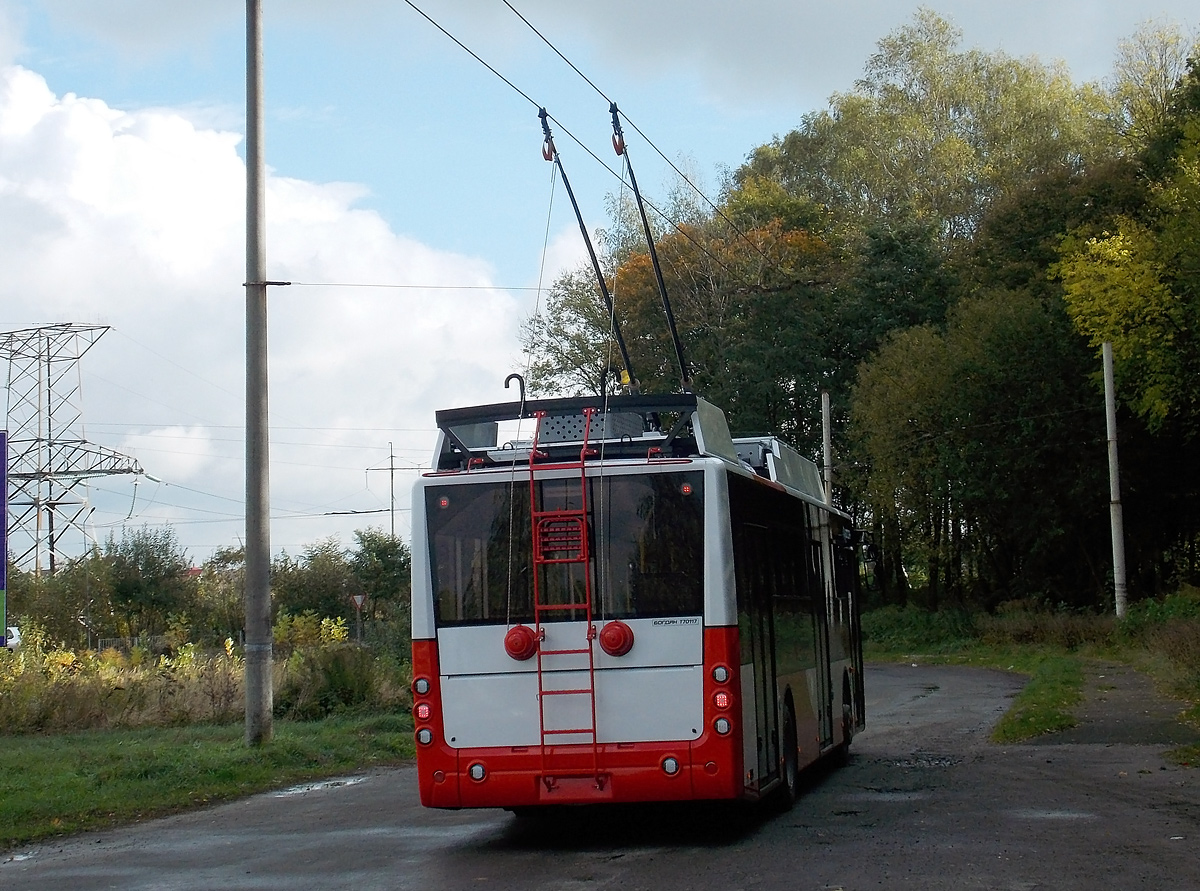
615 601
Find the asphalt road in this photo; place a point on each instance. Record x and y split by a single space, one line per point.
925 803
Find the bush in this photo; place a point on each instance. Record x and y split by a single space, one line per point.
319 681
1066 630
908 629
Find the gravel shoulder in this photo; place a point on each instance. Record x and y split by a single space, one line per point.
1121 705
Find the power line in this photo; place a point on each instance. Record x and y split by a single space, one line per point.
563 128
639 131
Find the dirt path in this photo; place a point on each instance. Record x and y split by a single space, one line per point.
1121 706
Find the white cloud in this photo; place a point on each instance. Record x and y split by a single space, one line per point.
174 453
137 218
748 54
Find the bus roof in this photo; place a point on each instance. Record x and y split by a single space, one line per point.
629 427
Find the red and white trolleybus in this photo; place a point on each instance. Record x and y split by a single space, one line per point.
616 601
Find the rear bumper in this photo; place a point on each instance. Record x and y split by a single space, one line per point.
575 775
707 768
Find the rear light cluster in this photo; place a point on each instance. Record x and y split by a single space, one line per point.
423 710
722 700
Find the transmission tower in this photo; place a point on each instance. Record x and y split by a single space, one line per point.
50 459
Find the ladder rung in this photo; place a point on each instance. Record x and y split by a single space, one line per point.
566 692
587 730
541 606
566 652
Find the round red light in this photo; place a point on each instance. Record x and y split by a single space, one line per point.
423 711
686 488
521 642
443 502
616 638
721 699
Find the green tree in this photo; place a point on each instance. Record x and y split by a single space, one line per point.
934 133
220 611
149 578
321 580
382 564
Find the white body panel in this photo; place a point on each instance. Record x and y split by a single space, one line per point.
632 705
654 692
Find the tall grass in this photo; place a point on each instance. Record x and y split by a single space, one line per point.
50 689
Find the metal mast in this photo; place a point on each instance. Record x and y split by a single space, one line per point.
50 457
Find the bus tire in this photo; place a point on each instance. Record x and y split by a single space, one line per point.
789 789
849 722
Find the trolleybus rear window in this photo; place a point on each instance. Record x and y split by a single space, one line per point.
646 538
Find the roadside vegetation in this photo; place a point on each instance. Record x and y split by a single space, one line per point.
55 784
1159 637
125 698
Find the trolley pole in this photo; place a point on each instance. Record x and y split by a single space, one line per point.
259 725
1114 485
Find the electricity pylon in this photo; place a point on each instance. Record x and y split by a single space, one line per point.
50 459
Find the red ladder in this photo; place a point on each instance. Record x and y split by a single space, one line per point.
561 537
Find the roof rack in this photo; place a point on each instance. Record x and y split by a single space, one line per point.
670 426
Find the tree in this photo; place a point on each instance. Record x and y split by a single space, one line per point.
220 610
148 575
321 580
382 565
1149 68
935 134
571 343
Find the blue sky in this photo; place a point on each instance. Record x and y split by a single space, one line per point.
396 159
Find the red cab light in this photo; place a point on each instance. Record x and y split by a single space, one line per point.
721 699
423 711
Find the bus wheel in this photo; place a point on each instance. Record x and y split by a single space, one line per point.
790 789
849 723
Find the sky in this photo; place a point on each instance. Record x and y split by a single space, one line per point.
407 198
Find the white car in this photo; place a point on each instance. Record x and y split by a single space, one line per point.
13 640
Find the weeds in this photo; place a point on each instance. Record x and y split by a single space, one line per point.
48 689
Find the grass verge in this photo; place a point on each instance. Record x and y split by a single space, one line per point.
54 785
1046 703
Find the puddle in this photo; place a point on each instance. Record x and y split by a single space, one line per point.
319 787
886 795
1041 814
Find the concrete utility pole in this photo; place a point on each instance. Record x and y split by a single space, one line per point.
1114 485
258 502
827 445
